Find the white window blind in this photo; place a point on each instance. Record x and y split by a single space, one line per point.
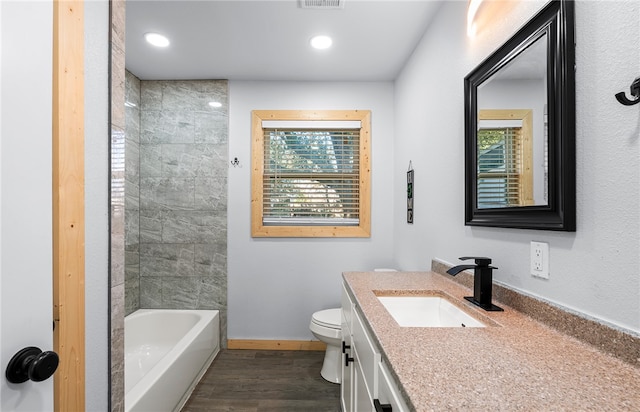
311 176
499 167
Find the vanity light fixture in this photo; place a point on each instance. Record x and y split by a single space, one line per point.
472 10
215 104
321 42
156 39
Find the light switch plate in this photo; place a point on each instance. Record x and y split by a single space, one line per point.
540 259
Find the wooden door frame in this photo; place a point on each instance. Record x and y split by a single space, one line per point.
68 205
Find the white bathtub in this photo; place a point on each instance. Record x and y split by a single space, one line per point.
166 354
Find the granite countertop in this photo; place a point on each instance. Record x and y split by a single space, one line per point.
515 363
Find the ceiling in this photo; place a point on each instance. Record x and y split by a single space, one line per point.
269 39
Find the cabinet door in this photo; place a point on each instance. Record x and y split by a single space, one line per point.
362 398
388 392
346 387
366 351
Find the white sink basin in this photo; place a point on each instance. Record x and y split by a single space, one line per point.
427 312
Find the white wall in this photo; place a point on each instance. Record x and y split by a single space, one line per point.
275 285
595 270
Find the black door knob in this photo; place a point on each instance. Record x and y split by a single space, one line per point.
31 363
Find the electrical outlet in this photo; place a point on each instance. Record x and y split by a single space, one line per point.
540 259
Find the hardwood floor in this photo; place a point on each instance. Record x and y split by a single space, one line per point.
265 381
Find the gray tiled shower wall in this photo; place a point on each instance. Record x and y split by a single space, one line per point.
132 194
176 195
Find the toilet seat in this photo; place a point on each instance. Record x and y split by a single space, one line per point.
329 318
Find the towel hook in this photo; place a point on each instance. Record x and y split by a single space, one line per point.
635 92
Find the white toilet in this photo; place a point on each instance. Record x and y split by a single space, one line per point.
326 325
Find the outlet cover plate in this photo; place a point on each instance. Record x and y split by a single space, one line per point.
540 259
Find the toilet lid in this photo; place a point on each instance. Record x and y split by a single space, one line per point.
329 318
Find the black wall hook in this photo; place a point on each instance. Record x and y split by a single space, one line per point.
635 92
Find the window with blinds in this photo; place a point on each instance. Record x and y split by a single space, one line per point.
499 167
311 177
311 174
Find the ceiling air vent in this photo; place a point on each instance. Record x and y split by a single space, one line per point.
322 4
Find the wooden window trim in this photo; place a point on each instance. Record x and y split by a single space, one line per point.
258 229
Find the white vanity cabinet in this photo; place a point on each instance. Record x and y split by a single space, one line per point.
359 359
346 386
365 378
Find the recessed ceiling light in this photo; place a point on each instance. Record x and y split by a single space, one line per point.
321 42
215 104
156 39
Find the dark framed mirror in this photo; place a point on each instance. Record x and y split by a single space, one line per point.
520 128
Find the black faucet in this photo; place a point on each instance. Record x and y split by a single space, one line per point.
482 281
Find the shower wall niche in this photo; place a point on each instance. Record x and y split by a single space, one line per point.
176 195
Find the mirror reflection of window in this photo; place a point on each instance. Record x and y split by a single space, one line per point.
500 168
504 159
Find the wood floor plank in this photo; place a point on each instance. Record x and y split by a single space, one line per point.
296 406
265 381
